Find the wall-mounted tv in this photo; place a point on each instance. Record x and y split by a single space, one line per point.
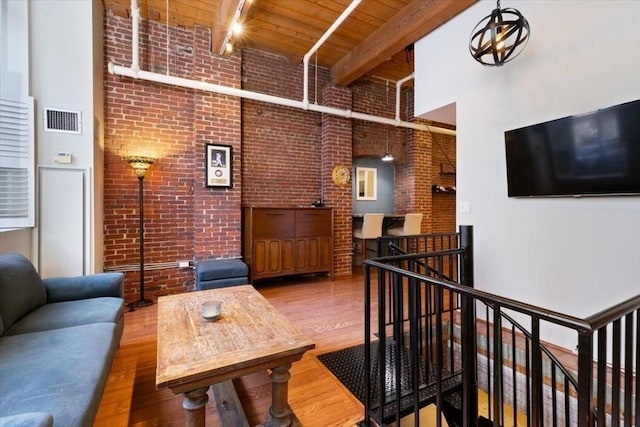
596 153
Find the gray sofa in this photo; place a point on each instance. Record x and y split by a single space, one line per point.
58 337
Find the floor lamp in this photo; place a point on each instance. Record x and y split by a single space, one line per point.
140 165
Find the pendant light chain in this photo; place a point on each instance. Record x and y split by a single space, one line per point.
388 157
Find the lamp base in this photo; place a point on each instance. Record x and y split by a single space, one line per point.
140 303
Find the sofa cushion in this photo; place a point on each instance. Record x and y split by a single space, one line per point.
221 269
69 313
21 289
62 372
29 419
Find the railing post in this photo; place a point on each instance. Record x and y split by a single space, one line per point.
380 247
537 407
367 344
468 350
466 261
468 332
585 378
498 386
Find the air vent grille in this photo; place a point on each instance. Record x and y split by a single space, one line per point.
65 121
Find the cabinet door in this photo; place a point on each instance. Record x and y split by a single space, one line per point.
273 223
325 254
287 256
313 222
301 255
272 257
261 260
314 254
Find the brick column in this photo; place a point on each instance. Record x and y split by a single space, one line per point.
417 176
336 149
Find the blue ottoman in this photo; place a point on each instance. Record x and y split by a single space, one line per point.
220 273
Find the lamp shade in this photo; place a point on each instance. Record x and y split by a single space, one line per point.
387 157
140 164
499 37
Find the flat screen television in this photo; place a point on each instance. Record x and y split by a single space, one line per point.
596 153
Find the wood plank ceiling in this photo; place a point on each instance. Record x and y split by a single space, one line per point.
375 40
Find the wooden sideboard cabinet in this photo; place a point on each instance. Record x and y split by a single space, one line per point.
285 241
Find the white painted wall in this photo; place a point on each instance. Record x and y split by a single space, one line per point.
14 42
576 256
14 83
62 74
64 52
66 57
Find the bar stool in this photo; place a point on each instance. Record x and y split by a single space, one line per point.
371 229
411 226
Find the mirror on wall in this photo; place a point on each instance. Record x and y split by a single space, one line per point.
366 183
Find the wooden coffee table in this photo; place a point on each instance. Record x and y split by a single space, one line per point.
250 336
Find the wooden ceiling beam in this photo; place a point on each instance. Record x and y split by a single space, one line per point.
413 22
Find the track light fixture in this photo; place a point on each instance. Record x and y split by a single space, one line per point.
499 37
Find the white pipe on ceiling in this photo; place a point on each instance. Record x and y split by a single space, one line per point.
320 42
399 84
136 73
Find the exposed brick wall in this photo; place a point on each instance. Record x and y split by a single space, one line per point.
281 145
183 219
410 148
217 226
281 155
444 204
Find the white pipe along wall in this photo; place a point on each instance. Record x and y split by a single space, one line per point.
136 73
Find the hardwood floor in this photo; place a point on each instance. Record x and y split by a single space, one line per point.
329 311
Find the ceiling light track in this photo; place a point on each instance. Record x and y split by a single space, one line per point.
232 24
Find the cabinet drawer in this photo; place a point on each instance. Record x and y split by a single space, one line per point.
313 222
273 223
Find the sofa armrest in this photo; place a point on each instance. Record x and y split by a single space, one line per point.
83 287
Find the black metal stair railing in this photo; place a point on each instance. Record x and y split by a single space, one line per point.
433 338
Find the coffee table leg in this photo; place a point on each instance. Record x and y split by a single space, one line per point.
194 403
280 412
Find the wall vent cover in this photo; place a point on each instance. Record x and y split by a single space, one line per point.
65 121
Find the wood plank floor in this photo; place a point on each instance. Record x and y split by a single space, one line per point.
329 311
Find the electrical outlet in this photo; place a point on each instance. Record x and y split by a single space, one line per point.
183 264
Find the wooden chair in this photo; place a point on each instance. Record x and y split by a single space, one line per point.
371 229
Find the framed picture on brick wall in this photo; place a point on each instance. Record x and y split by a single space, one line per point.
218 165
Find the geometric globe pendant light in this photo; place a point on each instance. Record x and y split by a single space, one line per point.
499 37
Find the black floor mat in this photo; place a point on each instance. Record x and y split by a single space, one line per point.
348 366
